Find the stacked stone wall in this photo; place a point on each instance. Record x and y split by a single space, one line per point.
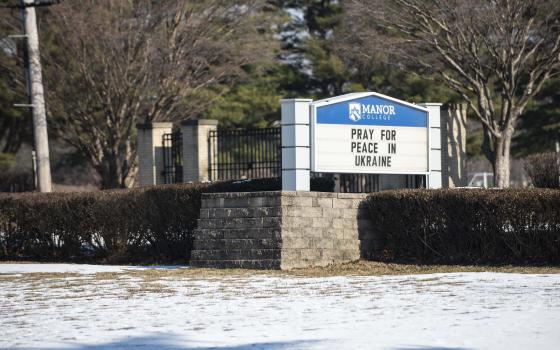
281 230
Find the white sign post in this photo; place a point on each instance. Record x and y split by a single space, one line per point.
295 145
434 178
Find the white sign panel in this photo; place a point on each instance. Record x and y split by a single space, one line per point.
369 133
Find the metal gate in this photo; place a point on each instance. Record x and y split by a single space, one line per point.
245 154
173 157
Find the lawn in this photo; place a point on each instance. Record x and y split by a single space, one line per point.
355 306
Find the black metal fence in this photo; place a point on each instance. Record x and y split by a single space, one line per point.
359 183
173 157
245 153
366 183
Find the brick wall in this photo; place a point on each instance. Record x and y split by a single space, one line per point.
273 230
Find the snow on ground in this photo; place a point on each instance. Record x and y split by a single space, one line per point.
71 268
95 308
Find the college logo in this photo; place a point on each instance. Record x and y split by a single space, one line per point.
359 111
355 111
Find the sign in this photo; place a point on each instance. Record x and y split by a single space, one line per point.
369 133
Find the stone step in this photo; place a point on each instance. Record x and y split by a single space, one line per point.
260 264
236 223
294 255
236 244
235 254
219 213
240 233
319 243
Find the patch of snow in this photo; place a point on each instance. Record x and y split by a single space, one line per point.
241 312
72 268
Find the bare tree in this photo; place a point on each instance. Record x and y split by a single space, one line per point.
495 53
14 122
115 63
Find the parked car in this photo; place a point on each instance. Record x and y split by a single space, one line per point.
484 180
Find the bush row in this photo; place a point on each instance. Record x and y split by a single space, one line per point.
107 226
141 225
468 226
544 170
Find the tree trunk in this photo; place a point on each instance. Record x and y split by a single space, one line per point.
109 172
502 160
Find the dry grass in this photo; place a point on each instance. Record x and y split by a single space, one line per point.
149 288
372 268
360 268
141 282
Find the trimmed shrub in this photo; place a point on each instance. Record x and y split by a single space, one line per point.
467 226
543 170
152 224
140 225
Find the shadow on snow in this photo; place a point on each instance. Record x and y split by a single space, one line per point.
170 342
428 348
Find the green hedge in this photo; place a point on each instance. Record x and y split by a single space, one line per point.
141 225
467 226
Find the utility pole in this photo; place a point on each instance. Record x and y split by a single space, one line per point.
37 96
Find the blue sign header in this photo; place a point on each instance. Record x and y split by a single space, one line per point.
371 110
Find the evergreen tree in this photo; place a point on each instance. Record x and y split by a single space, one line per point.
306 66
251 103
329 74
332 73
539 129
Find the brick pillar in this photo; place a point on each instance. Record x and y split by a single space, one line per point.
434 177
150 152
196 149
454 133
296 155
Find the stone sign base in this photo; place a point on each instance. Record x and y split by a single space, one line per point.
281 230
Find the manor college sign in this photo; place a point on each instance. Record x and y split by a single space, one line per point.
361 133
369 134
